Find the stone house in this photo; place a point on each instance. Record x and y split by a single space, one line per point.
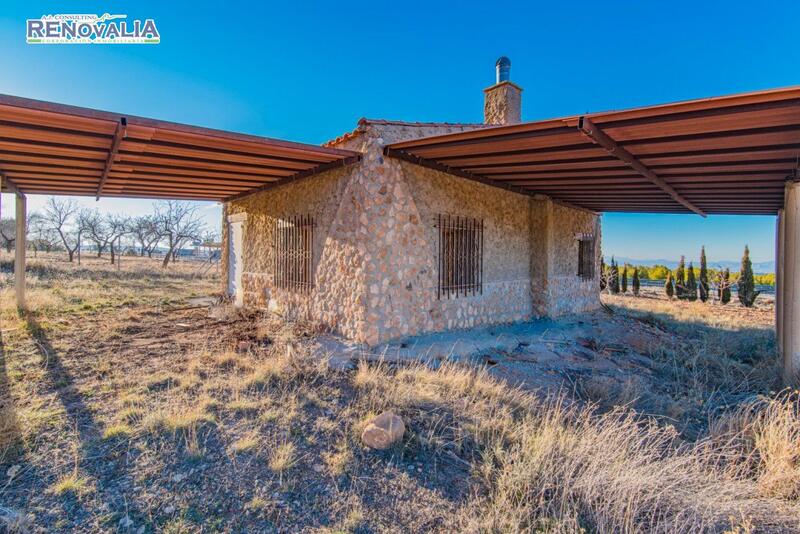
385 248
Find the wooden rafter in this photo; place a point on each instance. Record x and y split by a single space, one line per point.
597 135
119 135
5 180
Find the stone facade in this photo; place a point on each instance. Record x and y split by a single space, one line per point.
375 246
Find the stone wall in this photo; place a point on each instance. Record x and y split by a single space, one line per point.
337 299
376 245
505 295
568 292
556 287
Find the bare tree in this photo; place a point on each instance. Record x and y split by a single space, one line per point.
145 230
8 233
96 229
118 226
60 216
177 223
41 236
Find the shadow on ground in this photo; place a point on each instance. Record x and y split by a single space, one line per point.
10 438
62 382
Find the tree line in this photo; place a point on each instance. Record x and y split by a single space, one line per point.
659 272
689 283
64 226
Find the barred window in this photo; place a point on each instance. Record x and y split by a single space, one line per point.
586 257
294 238
460 256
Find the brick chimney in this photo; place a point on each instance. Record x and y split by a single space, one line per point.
502 102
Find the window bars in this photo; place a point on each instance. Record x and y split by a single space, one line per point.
586 258
294 237
460 256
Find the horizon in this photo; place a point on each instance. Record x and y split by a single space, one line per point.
298 79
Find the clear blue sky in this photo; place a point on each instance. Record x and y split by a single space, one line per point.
307 72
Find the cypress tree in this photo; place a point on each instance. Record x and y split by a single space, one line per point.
747 287
703 275
680 279
614 282
691 284
725 287
669 286
635 282
624 279
603 274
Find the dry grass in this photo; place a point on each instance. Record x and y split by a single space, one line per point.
70 485
765 433
247 443
202 435
282 457
117 431
553 465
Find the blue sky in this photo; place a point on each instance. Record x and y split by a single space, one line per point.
308 71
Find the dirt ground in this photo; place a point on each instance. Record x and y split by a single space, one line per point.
131 405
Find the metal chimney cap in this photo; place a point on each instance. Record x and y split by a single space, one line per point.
503 69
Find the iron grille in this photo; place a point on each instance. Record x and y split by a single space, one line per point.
460 256
294 237
586 258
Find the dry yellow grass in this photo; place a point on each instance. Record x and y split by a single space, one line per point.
282 457
247 443
765 434
552 465
72 485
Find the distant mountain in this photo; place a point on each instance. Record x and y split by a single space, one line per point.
759 267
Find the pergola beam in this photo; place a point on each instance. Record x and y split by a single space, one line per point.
596 135
119 135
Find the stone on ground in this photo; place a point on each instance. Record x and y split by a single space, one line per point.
383 431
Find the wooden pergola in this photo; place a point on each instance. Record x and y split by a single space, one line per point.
725 155
56 149
66 150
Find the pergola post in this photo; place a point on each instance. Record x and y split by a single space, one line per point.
780 230
19 250
788 280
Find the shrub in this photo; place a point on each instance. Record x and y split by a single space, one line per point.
747 289
691 284
680 279
613 283
624 279
703 287
725 287
669 286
